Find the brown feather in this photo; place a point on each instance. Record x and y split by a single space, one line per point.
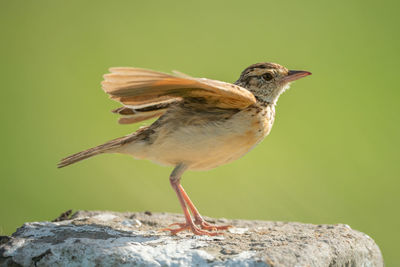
142 116
106 147
137 87
132 115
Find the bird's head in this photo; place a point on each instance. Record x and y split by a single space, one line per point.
267 81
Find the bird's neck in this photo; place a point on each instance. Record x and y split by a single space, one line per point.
270 96
264 102
265 96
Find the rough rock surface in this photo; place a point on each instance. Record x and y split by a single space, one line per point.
91 238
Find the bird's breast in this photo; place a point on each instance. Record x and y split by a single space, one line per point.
204 142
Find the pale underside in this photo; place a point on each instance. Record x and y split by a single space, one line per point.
221 125
198 141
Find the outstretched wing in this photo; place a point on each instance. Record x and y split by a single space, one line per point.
139 88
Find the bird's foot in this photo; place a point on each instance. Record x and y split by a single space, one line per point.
211 227
195 229
188 226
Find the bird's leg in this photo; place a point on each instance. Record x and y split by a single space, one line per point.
198 219
189 225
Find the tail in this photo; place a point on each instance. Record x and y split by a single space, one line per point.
107 147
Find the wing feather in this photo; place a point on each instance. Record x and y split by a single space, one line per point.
141 116
137 114
142 87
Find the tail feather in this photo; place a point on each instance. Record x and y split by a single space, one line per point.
110 145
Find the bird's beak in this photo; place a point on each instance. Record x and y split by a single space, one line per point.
295 75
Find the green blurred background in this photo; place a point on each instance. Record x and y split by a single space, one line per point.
332 157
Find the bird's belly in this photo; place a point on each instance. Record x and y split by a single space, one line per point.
213 153
206 146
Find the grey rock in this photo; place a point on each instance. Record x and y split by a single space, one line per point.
100 238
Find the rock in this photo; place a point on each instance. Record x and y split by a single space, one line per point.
97 238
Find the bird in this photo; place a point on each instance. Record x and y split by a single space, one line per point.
201 123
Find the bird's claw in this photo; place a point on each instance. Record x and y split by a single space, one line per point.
191 227
195 229
207 226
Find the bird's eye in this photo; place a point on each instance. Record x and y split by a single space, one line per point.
267 76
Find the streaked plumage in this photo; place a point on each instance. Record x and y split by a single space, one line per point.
202 123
